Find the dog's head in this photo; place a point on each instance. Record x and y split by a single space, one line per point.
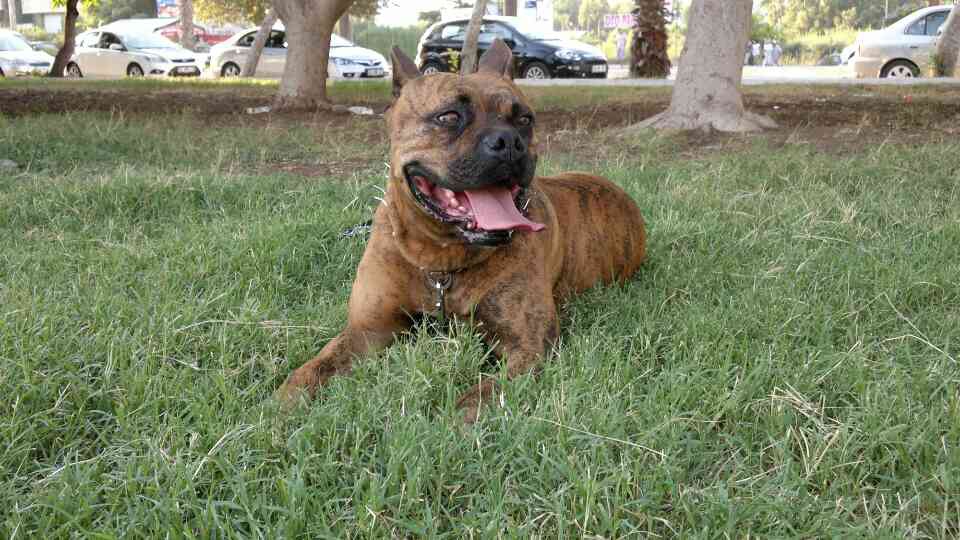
463 147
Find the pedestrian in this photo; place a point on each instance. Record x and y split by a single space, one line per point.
746 55
777 52
767 54
754 53
621 44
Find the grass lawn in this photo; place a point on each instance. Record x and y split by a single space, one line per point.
785 365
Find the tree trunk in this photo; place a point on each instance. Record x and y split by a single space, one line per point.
187 40
309 25
12 13
648 50
346 27
468 56
510 8
69 36
948 45
250 66
706 94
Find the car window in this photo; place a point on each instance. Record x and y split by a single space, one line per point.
918 28
107 39
247 40
934 20
10 42
453 31
492 31
277 40
90 40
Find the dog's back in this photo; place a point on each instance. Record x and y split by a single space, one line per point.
609 242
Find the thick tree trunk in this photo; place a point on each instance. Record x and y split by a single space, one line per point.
309 25
468 56
69 36
706 94
250 66
187 40
510 8
346 27
948 45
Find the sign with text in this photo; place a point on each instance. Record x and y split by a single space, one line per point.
624 20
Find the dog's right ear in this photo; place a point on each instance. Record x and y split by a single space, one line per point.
404 70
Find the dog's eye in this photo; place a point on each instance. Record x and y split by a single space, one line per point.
448 119
525 120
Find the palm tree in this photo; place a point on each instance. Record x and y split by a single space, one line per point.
648 49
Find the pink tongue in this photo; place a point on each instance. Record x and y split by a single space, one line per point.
495 210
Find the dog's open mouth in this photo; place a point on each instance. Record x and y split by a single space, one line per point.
491 211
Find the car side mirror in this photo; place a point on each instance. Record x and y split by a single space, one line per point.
116 47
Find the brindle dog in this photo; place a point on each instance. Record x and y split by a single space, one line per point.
465 227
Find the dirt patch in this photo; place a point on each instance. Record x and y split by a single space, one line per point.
830 119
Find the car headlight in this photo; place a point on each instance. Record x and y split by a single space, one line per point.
153 58
343 62
569 54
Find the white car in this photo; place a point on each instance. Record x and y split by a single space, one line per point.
17 57
346 59
903 49
115 52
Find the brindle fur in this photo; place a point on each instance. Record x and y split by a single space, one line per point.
594 234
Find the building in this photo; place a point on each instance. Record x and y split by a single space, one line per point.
42 13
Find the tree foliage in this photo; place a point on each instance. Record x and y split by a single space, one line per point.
796 17
249 11
107 11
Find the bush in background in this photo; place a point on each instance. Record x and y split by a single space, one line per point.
382 39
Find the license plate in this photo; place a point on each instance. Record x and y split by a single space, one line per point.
375 72
599 68
185 70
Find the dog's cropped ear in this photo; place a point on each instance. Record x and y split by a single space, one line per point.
497 60
404 70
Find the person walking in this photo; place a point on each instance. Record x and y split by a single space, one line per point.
621 44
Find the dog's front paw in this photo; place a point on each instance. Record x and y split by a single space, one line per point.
298 389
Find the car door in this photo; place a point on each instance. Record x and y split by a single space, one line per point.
85 54
450 43
920 38
110 62
274 56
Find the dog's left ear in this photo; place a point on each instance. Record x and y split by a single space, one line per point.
404 70
497 60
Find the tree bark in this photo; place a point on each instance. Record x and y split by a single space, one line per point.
948 45
187 40
648 48
309 25
346 27
468 56
250 66
510 8
69 36
706 94
12 14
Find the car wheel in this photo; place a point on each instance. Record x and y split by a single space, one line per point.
430 68
900 69
536 70
134 70
230 70
73 71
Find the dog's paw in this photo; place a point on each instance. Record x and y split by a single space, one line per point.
474 399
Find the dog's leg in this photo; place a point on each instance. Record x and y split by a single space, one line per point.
378 310
522 330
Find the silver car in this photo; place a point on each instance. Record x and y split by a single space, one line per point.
903 49
17 57
115 52
346 59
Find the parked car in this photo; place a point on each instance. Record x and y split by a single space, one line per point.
903 49
346 59
17 57
537 53
118 51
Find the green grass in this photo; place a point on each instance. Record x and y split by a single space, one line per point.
784 366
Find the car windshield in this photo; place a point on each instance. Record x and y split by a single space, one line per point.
904 21
535 31
337 41
147 41
10 42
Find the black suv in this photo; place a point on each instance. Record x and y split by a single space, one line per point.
537 54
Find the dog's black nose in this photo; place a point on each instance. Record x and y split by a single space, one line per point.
503 144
